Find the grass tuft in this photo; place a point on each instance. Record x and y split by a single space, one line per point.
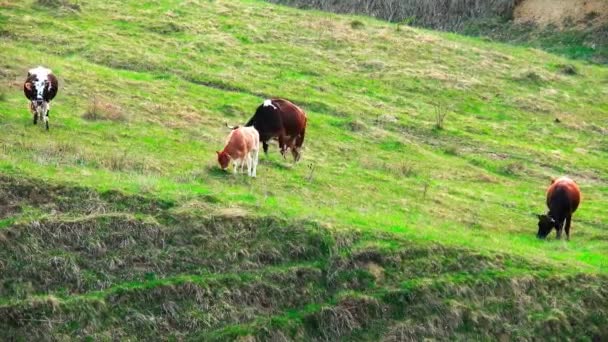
67 4
100 109
357 24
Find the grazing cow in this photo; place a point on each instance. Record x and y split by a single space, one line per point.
282 120
40 88
242 146
563 197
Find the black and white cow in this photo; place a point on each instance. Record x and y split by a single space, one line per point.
40 88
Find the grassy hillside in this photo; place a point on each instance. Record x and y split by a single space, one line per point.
118 222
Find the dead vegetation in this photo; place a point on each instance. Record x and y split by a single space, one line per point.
568 69
441 112
102 109
531 77
62 152
63 4
443 14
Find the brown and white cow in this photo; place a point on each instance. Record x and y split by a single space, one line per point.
40 88
282 120
242 146
563 198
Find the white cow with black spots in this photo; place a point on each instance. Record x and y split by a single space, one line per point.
40 88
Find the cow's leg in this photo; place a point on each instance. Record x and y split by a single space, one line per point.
298 148
43 112
558 229
255 161
235 163
248 162
243 163
290 145
34 112
265 145
283 145
568 221
46 119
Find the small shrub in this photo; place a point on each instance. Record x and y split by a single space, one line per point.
426 185
383 119
166 28
568 69
373 65
59 4
440 114
357 24
356 125
451 150
531 77
591 15
406 170
102 110
512 169
411 20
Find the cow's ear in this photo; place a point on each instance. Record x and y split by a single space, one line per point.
28 86
218 152
553 179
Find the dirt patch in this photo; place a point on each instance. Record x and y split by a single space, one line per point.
559 12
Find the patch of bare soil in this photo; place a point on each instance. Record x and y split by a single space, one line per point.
559 12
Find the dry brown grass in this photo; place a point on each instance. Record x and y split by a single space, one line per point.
64 4
102 109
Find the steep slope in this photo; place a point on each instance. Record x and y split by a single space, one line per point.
118 223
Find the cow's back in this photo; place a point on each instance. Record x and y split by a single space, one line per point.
293 118
563 194
267 121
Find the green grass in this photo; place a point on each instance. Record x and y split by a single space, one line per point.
166 76
587 43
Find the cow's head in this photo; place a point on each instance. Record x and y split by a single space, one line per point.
38 85
223 159
545 224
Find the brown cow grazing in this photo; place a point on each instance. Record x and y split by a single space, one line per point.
563 198
40 88
242 146
280 119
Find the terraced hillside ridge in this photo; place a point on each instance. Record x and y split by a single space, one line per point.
399 223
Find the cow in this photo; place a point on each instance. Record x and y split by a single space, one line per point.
40 88
281 120
242 146
563 198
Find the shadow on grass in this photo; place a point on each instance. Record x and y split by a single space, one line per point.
283 164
